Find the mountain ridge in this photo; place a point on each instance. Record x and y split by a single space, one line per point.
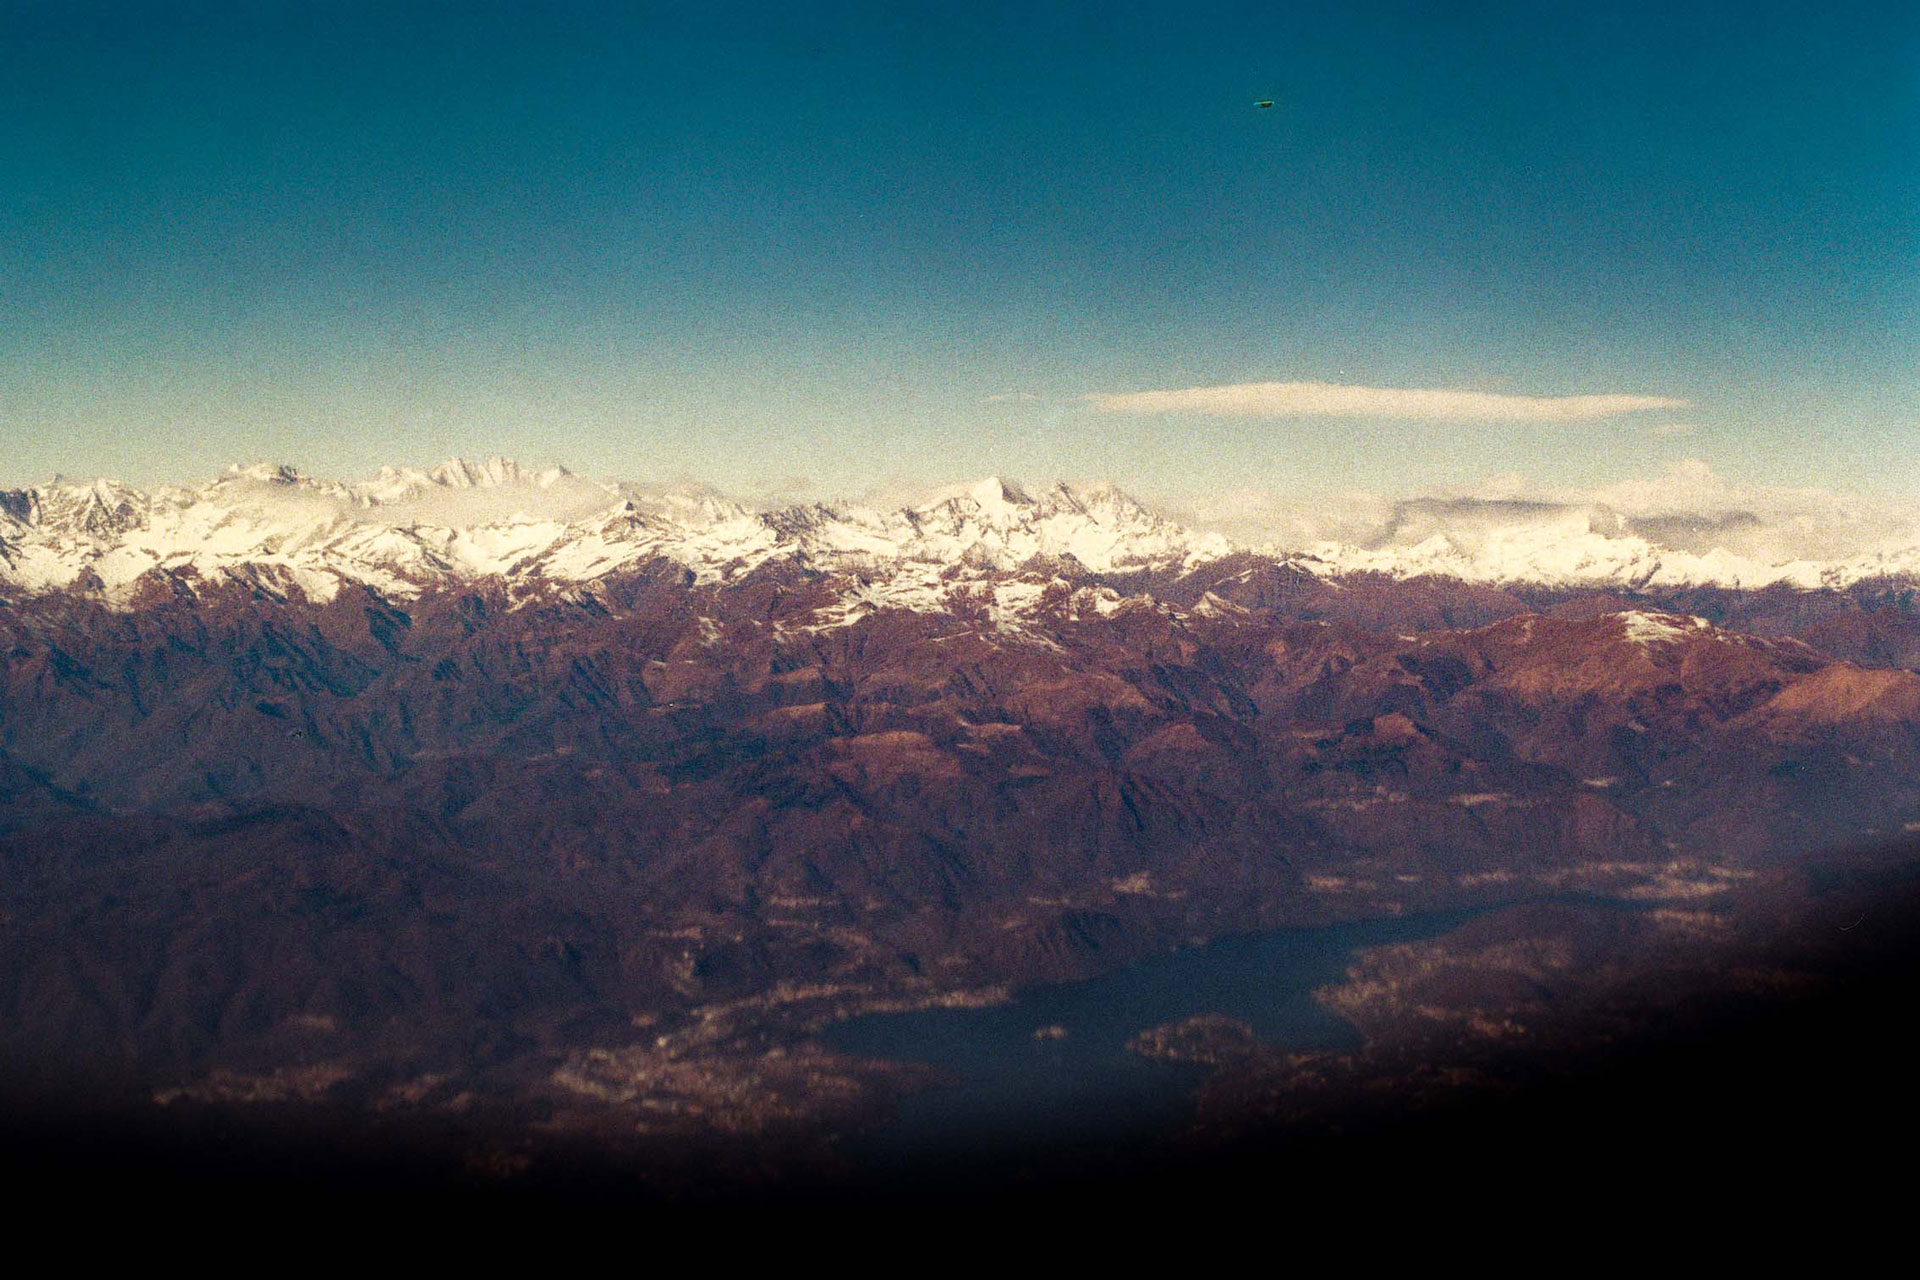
405 530
601 845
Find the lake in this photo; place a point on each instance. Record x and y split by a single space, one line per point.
1010 1089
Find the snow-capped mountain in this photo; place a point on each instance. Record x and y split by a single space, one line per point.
666 764
403 531
1593 546
1689 528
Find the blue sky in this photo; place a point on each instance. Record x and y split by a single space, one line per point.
857 245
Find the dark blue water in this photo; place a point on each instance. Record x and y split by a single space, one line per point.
1009 1089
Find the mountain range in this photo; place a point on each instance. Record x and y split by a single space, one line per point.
404 531
482 787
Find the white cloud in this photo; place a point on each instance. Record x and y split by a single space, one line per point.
1676 428
1261 517
1332 400
1686 507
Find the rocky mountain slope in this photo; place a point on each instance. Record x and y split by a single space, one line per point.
304 793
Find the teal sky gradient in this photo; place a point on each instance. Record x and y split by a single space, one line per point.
856 245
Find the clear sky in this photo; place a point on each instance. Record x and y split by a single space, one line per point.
854 245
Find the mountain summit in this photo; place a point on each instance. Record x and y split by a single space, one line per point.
403 531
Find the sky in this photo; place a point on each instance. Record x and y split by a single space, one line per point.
842 247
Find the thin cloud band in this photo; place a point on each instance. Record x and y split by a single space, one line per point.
1332 400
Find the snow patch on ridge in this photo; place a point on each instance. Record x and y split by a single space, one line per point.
1650 628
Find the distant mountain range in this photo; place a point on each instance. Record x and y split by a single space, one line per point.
406 531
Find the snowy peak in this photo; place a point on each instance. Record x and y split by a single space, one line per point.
404 530
995 522
458 473
1102 501
1684 534
262 473
392 485
998 496
102 508
993 503
694 506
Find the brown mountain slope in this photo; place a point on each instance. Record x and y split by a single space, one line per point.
242 831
